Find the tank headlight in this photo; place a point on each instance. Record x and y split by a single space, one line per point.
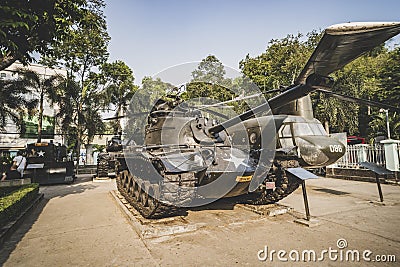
253 138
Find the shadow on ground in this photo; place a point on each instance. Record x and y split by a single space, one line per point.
16 237
221 204
81 184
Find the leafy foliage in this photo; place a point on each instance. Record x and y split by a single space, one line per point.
83 125
82 51
117 79
28 26
14 97
85 45
389 92
98 148
282 61
208 81
44 87
378 125
374 76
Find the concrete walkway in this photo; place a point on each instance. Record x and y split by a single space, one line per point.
76 225
81 225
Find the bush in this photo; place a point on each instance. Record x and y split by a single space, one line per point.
13 200
5 191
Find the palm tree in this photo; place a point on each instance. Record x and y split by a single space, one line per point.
45 87
79 113
378 124
14 102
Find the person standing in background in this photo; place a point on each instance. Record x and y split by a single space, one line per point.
20 162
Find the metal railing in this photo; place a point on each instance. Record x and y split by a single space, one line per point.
359 153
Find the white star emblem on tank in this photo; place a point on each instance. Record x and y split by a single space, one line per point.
236 161
41 153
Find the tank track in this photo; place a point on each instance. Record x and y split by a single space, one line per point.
285 183
174 191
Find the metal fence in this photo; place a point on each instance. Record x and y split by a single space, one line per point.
359 153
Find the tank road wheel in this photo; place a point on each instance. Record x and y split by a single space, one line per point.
125 179
144 197
152 202
136 191
131 186
285 184
121 177
150 205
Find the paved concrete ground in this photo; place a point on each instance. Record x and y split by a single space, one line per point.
76 225
81 224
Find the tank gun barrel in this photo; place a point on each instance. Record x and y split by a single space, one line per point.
296 92
275 102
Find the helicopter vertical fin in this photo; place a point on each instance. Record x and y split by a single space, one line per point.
342 43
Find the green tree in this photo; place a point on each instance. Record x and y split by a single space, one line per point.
282 61
45 87
28 26
82 53
388 92
390 78
359 79
85 47
141 104
208 81
98 148
82 126
117 79
14 103
378 124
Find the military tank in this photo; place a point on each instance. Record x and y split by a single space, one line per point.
106 160
188 160
48 163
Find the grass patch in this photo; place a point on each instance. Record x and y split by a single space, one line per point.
14 199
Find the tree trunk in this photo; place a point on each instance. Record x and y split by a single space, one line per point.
79 137
326 126
40 123
119 127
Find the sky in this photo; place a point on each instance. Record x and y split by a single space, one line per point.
153 35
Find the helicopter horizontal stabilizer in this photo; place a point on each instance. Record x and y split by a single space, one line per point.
342 43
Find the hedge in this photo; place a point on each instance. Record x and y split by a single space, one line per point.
13 201
6 190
